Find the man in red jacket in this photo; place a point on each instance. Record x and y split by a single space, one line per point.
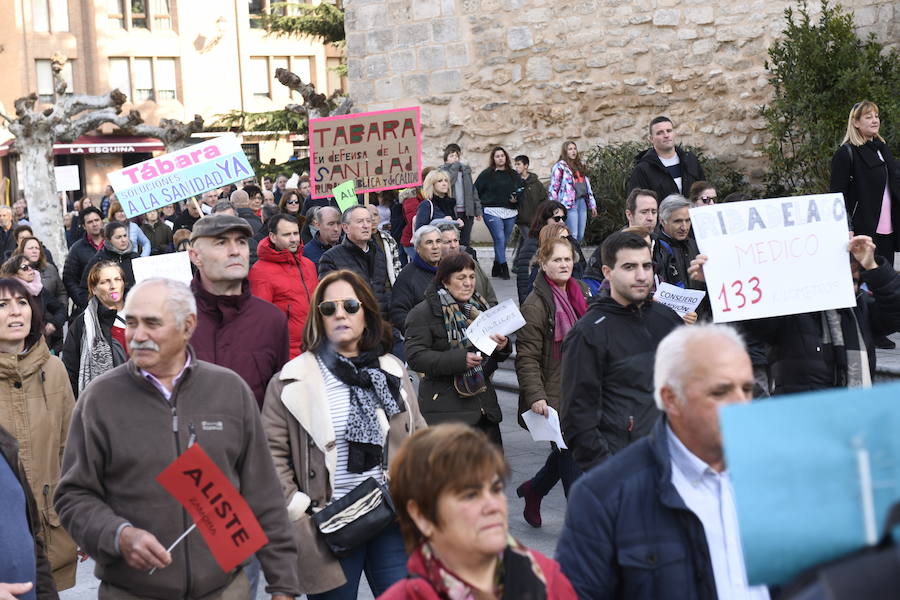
283 276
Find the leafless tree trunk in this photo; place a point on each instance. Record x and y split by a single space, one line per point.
173 134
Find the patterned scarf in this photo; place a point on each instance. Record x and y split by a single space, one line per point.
96 355
517 576
456 319
371 390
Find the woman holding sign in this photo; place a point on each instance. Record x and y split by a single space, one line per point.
456 385
550 311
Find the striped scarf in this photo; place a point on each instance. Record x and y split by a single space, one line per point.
456 319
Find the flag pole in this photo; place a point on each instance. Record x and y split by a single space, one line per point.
175 543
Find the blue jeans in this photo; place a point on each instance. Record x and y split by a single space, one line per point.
410 251
501 230
383 559
576 218
252 570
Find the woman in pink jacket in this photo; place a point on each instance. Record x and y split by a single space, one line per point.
569 185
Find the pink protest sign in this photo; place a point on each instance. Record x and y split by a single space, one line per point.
379 150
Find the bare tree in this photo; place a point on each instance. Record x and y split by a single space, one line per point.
174 134
37 130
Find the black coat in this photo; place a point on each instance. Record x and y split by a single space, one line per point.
607 377
428 351
436 208
71 354
798 359
371 266
671 259
858 173
248 215
80 254
650 174
408 290
123 260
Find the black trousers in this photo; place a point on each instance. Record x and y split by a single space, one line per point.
884 246
491 429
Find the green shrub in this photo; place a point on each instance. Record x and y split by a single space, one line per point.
818 71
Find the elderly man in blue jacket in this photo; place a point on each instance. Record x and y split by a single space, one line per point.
658 520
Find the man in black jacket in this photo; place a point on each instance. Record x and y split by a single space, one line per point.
674 248
359 254
665 168
80 254
415 277
607 366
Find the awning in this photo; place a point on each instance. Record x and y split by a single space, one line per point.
101 144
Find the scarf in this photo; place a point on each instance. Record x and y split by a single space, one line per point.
371 390
840 330
456 319
108 246
96 355
417 260
569 307
518 576
34 286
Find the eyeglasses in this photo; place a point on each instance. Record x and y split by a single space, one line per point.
26 267
708 199
329 307
558 218
292 202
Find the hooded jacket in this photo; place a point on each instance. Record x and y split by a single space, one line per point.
288 281
370 265
124 433
650 174
36 410
243 333
607 377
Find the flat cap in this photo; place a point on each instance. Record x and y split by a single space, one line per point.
216 224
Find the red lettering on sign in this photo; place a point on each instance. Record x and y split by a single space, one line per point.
737 292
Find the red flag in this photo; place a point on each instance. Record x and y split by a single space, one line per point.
222 515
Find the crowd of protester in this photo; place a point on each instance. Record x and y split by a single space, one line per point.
318 354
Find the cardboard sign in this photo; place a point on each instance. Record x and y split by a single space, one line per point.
814 475
67 179
780 256
345 195
223 517
180 175
379 150
505 318
174 265
682 301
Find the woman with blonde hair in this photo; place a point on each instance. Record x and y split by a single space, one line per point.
438 203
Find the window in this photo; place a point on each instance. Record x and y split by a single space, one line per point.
140 14
165 79
119 75
50 15
259 76
255 9
115 11
279 62
251 151
59 15
300 65
162 14
44 71
142 74
41 14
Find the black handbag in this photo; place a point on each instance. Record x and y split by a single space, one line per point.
356 518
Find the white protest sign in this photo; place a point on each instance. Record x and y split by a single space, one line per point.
180 175
174 265
544 429
67 178
680 300
780 256
504 319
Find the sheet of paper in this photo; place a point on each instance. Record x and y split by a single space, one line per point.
174 265
544 429
680 300
67 178
504 319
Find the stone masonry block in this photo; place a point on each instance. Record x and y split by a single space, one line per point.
666 17
380 40
443 82
426 9
446 30
431 58
415 85
700 15
519 38
539 68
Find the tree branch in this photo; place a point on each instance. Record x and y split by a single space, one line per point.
75 104
70 130
173 133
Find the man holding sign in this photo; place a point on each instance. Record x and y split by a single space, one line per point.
131 425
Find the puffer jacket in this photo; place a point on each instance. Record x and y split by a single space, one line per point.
371 266
301 440
562 186
44 587
538 372
409 201
607 377
36 410
650 174
428 351
287 281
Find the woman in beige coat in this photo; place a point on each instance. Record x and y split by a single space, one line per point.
36 403
334 417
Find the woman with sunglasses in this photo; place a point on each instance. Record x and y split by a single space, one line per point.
702 194
290 202
53 312
334 417
33 250
36 408
546 213
456 385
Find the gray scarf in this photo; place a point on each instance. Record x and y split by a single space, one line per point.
840 329
96 355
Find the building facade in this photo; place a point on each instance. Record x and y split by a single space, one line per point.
529 74
171 58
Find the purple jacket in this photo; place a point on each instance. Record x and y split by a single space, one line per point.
243 333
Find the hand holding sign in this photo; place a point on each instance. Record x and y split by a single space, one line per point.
141 550
487 332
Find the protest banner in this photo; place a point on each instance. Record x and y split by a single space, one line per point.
379 150
345 195
779 256
682 301
504 319
173 265
67 178
814 475
180 175
224 518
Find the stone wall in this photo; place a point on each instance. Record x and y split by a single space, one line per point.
529 74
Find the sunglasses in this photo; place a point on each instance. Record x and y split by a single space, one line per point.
26 267
293 202
708 199
558 218
329 307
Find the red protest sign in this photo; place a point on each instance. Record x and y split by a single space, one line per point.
223 517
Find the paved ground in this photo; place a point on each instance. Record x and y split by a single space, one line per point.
525 458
